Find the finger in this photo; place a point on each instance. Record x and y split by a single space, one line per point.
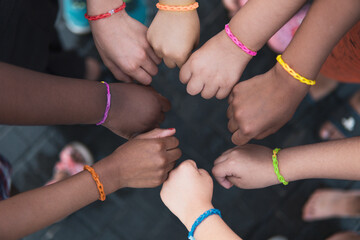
220 172
169 63
231 98
240 139
170 143
190 162
165 103
266 133
161 118
222 158
209 91
180 61
232 125
154 55
142 76
118 74
194 87
174 154
157 133
230 112
150 67
203 172
170 166
185 73
223 93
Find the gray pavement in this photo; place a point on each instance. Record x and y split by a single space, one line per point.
202 129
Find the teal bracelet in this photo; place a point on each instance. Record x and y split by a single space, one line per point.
200 219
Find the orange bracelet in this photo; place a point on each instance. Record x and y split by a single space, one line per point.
99 185
190 7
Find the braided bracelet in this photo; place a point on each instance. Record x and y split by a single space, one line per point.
108 104
293 73
276 167
190 7
107 14
237 42
99 185
200 219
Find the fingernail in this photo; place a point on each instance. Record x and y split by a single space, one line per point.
171 129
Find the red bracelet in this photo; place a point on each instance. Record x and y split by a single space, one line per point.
105 15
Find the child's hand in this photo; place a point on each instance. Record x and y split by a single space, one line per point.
248 166
135 109
173 35
142 162
215 68
121 42
261 105
188 192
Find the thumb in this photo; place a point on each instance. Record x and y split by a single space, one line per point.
221 171
157 133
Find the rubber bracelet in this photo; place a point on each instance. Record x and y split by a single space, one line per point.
293 73
99 185
108 104
190 7
237 42
200 219
276 167
105 15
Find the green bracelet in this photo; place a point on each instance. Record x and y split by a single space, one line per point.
276 167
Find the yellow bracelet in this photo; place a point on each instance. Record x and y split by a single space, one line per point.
99 185
293 73
178 8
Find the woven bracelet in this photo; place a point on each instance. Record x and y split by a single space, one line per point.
276 167
237 42
99 185
190 7
200 219
293 73
105 15
108 104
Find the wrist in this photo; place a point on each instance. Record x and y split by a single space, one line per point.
227 43
194 213
96 7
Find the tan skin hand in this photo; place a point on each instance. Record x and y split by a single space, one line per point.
173 35
187 192
215 68
249 166
135 109
143 162
121 42
261 105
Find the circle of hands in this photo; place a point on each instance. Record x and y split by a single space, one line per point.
132 52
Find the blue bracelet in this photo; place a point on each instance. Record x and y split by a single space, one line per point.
200 219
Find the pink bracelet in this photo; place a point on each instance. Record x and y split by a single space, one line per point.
237 42
108 103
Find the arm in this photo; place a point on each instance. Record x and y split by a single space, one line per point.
121 42
32 98
250 166
324 25
173 35
217 66
141 163
188 194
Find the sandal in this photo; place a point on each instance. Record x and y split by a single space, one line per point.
73 157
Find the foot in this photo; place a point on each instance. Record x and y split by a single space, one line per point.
73 157
328 203
328 131
344 236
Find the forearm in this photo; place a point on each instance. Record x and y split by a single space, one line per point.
32 98
326 22
338 159
258 20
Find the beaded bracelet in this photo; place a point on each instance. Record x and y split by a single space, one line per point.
293 73
105 15
190 7
276 167
200 219
237 42
108 104
99 185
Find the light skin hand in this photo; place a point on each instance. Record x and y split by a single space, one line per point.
261 105
215 68
249 166
121 42
134 109
188 192
143 162
173 35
